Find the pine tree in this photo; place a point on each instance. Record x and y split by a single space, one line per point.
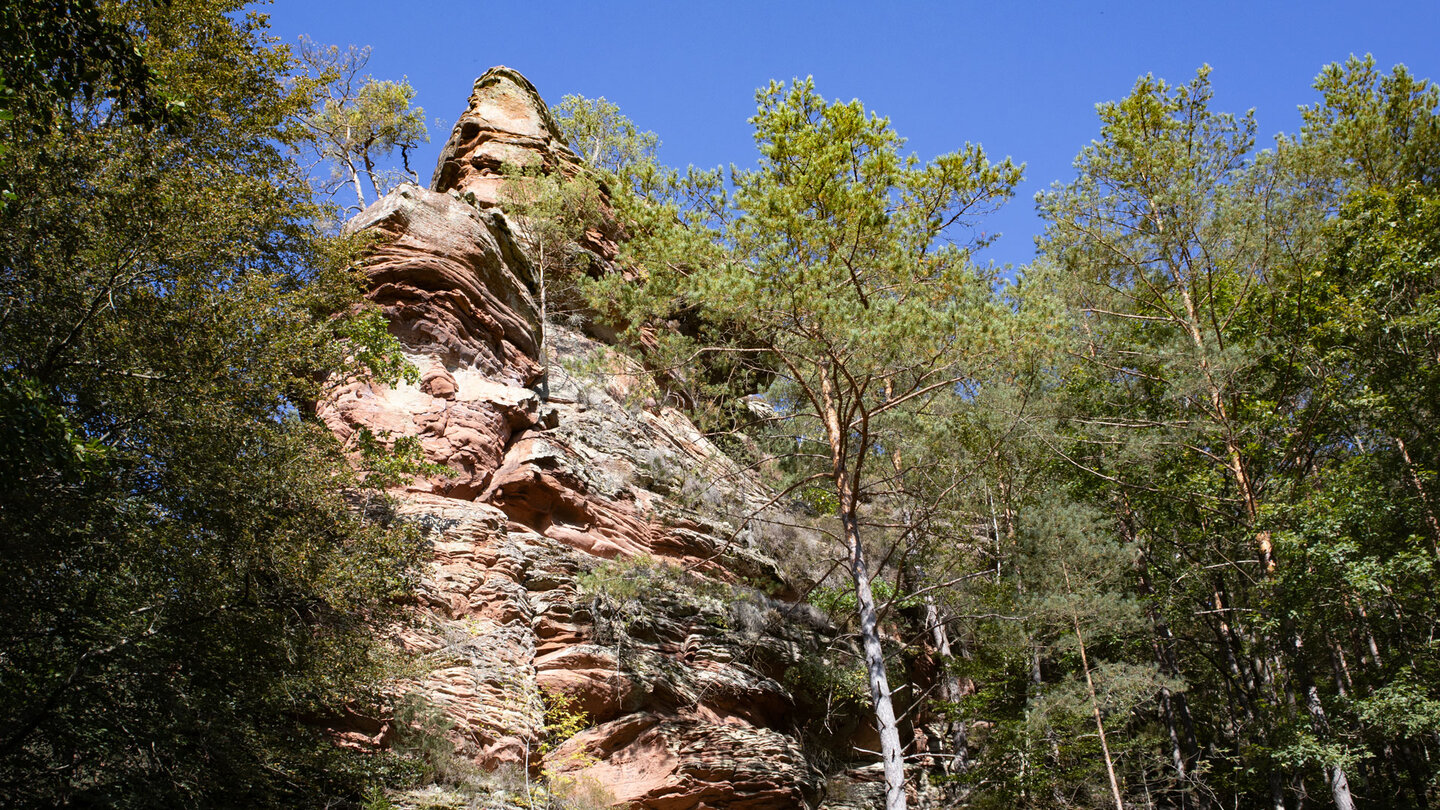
838 274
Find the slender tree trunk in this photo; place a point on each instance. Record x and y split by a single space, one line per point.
1220 413
1364 625
1414 475
1277 791
1184 749
370 172
1094 702
949 683
891 752
354 173
1339 784
544 323
950 686
1344 683
1334 773
890 748
1099 723
355 182
1177 751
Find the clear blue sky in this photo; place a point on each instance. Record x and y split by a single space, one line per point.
1021 78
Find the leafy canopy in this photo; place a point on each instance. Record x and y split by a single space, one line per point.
188 593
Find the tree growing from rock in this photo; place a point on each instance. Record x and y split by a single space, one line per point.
603 137
552 213
358 121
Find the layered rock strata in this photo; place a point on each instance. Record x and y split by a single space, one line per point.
591 552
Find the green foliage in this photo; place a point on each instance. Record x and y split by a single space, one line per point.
605 139
357 121
897 293
553 215
188 597
840 603
1181 475
59 50
666 222
1373 130
390 462
375 349
628 579
553 212
422 740
819 500
841 686
1245 328
563 720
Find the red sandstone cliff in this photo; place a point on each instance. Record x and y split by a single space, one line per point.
694 685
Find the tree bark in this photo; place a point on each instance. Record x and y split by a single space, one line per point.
1184 749
891 752
355 181
1430 519
1334 773
890 748
950 686
354 173
370 169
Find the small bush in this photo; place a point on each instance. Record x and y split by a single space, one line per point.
422 735
628 578
836 684
563 720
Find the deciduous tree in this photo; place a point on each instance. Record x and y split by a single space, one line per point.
186 587
357 121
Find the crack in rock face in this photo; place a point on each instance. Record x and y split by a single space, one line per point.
681 667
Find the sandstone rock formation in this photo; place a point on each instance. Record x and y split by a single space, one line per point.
592 551
506 123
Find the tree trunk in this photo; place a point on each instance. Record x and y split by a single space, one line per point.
1094 702
355 181
950 686
370 172
1340 788
544 315
1184 749
1277 791
1221 416
891 752
1414 475
1334 773
354 174
890 748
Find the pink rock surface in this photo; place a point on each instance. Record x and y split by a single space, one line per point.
685 694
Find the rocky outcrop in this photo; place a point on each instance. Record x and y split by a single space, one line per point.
452 283
506 123
597 569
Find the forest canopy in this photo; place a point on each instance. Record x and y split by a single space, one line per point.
1175 440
